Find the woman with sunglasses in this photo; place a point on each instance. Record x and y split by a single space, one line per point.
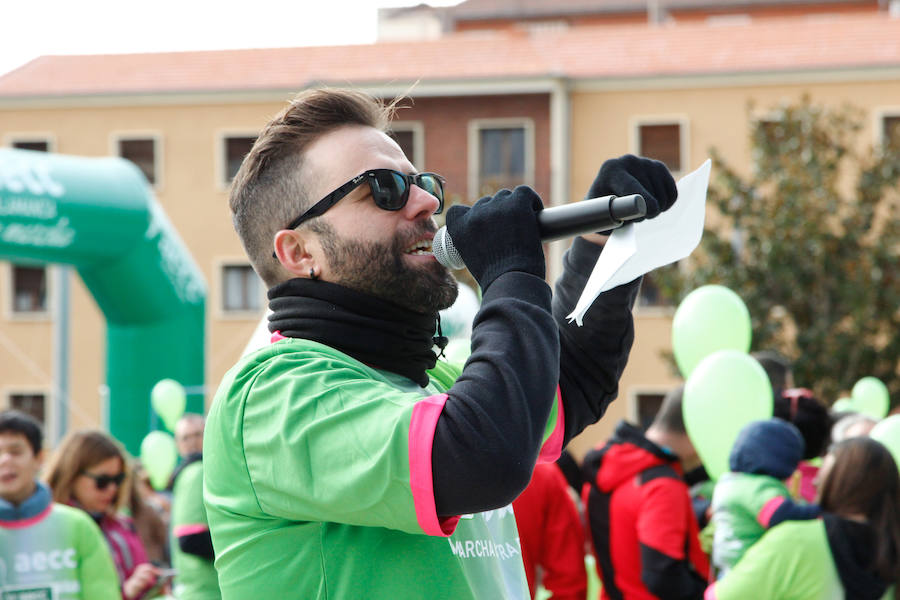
852 552
89 471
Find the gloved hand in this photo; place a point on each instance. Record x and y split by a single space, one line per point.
631 174
499 234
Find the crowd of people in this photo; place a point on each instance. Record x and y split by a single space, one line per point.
344 460
86 524
783 522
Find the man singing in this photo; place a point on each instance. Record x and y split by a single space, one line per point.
344 461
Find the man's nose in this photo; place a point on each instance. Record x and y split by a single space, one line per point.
420 203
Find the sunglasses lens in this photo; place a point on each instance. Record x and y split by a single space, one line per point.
103 481
388 189
431 183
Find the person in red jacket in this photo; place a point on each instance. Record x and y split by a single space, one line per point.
551 535
643 528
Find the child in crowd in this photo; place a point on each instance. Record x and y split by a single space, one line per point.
47 550
752 497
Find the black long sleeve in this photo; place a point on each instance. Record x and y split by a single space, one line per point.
491 429
593 356
198 544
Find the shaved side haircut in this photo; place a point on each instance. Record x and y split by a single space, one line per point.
269 190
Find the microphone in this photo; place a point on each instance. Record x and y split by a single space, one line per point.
588 216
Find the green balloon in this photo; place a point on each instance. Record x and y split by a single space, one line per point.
168 400
727 390
888 433
844 405
159 455
709 319
870 397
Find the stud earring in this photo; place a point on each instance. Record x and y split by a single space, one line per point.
312 274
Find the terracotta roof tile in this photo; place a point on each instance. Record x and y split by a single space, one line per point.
596 52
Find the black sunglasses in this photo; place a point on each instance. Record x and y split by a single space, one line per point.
390 191
102 481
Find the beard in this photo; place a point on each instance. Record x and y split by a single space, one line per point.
378 269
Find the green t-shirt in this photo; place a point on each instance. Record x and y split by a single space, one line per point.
318 485
738 505
195 577
792 561
58 555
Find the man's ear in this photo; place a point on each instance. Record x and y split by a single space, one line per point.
294 250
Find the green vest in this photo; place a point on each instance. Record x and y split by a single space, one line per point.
61 555
318 482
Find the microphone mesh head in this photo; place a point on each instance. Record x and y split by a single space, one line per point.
445 252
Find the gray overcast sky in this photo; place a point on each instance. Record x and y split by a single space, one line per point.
31 28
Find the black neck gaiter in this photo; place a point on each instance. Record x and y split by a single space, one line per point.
373 331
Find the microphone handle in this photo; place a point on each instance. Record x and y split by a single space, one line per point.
588 216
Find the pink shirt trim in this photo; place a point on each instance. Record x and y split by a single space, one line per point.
710 593
552 448
421 437
768 509
276 337
183 530
27 522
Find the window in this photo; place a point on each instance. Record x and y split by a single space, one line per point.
241 289
29 289
405 140
501 155
410 136
502 164
647 407
235 149
650 294
891 132
661 141
31 404
142 152
40 146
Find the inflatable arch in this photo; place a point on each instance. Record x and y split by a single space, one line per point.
99 216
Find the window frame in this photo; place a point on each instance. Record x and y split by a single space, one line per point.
879 115
29 137
418 130
9 301
139 135
221 168
241 314
632 412
474 148
49 425
655 310
683 123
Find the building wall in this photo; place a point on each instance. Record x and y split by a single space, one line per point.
717 116
603 116
193 199
677 14
446 120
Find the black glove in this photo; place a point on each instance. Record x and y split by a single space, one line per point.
631 174
499 234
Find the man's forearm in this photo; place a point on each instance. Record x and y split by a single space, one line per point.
593 356
491 427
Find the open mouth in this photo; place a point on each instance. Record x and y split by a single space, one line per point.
420 248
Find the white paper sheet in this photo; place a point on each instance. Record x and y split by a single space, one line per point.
638 248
